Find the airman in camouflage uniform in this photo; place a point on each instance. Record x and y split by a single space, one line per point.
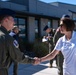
49 36
8 48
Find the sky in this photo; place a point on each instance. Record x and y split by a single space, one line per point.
64 1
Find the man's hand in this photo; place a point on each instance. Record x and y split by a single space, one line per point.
37 61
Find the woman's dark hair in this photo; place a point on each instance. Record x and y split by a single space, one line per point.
69 24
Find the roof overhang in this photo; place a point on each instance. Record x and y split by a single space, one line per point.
23 14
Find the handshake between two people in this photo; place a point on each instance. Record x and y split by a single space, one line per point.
37 61
47 57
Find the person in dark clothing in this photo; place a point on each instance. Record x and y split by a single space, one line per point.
8 48
60 58
14 34
49 36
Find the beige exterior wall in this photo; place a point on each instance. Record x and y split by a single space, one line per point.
55 24
37 7
31 29
43 23
74 18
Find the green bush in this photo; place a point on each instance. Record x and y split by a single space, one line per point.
29 47
40 49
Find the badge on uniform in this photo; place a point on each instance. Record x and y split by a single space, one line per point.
15 43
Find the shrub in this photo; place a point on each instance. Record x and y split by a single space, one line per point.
40 49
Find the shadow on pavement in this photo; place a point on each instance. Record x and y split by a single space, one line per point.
28 69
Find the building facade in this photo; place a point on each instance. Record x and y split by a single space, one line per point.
33 15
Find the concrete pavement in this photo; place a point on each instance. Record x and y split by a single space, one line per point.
41 69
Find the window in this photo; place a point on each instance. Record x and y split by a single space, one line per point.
37 28
50 23
21 23
22 27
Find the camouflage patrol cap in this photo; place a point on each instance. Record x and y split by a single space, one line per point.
7 12
45 28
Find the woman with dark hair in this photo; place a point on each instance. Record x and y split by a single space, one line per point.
67 45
